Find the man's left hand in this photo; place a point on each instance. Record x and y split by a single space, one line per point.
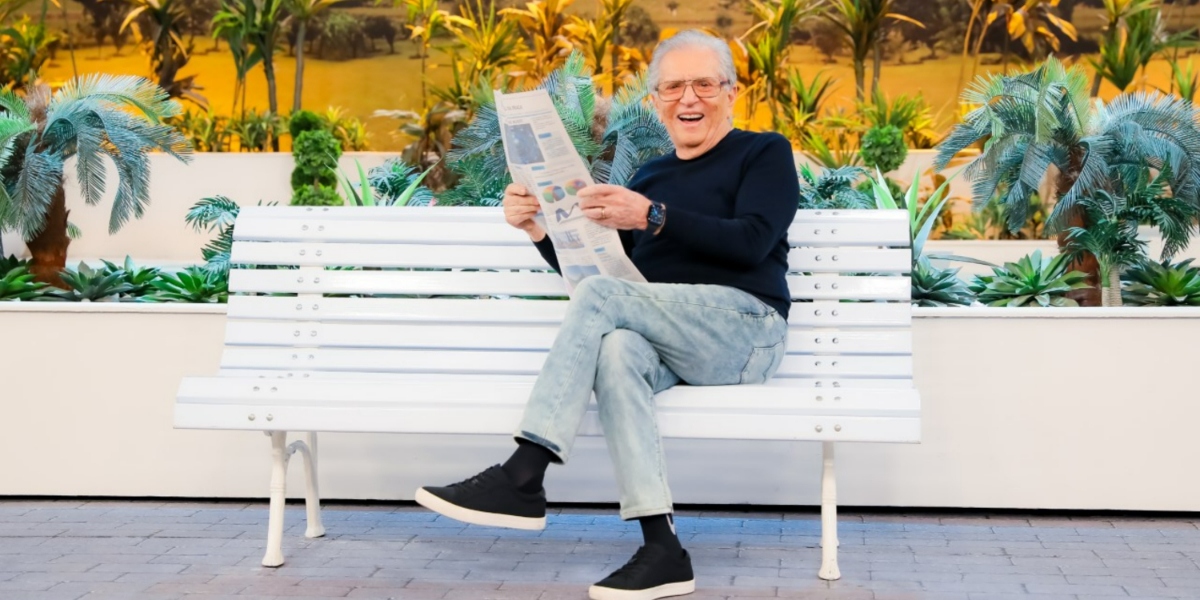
614 206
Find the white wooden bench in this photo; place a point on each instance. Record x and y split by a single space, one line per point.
337 350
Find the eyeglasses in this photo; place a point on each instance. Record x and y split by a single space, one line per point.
704 87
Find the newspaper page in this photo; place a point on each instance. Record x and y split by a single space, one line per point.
541 157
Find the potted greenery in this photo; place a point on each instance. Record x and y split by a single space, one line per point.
89 118
1041 130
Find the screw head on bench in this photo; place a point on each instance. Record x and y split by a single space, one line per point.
295 356
256 388
817 340
296 333
316 306
833 231
834 313
820 398
304 228
301 253
299 307
274 389
251 417
834 258
834 363
835 340
312 333
318 252
817 258
299 280
321 228
816 232
316 280
835 427
837 384
819 429
817 363
270 417
834 286
816 286
817 313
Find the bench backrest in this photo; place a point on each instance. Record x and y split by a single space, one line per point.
412 306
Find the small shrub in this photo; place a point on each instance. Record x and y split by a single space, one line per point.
884 148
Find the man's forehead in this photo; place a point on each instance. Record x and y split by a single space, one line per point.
690 63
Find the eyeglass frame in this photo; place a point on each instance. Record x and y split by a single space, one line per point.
687 83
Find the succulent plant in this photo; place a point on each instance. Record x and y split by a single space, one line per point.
1031 281
1162 284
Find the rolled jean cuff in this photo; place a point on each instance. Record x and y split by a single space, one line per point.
629 514
555 449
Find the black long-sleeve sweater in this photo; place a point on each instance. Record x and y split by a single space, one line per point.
728 213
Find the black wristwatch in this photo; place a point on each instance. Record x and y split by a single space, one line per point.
656 217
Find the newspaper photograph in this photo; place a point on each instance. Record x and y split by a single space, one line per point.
541 157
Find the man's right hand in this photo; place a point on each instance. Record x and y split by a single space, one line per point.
519 209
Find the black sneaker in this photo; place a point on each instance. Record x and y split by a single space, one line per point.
653 572
488 498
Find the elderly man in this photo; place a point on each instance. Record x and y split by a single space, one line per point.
707 226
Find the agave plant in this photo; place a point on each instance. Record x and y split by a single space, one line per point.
932 286
1031 281
613 145
138 278
193 284
1163 284
833 188
90 118
17 283
1042 124
86 284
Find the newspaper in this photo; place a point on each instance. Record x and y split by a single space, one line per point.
541 157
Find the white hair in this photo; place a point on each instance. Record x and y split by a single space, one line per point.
692 38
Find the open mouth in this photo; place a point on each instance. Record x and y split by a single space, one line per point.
691 117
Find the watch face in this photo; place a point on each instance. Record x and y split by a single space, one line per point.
655 217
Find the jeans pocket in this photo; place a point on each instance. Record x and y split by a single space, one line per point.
763 363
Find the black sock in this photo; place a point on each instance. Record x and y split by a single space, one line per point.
527 466
660 530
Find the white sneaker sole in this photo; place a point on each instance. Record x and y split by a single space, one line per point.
476 517
663 591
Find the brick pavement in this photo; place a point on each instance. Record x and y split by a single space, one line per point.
166 550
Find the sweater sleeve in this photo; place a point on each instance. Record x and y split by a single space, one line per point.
766 204
546 248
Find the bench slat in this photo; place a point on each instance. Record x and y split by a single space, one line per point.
846 229
508 337
309 254
517 311
514 362
758 412
454 283
819 382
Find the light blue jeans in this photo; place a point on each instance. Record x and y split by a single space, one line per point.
628 341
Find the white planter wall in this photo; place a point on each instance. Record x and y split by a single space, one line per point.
1023 408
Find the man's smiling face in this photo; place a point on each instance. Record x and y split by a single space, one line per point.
695 124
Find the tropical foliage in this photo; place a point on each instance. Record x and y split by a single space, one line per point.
1163 283
631 135
1031 281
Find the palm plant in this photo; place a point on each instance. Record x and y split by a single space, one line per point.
1116 35
1140 38
1184 81
259 24
909 114
492 43
88 119
861 23
162 20
215 213
396 183
424 20
1031 281
834 188
1162 284
544 24
1033 23
768 44
1041 127
236 32
25 47
801 102
304 12
632 135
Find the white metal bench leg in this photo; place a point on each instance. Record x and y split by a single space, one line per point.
281 453
279 462
829 540
312 492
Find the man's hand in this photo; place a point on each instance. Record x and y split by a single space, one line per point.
614 206
519 209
